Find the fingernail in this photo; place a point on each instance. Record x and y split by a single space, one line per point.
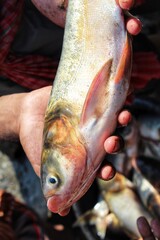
111 175
116 146
119 145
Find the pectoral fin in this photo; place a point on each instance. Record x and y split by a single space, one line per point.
95 103
96 97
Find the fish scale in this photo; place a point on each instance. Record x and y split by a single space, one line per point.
82 56
89 90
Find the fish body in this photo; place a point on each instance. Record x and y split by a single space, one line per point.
98 216
127 208
101 219
148 194
89 90
150 169
124 203
149 126
117 211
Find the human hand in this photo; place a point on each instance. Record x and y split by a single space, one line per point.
56 12
149 232
133 24
31 124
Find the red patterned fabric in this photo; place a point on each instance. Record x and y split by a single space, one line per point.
34 71
139 2
31 71
17 221
146 66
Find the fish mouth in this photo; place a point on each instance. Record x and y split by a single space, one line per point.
60 205
56 205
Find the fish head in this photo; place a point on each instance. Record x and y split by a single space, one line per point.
63 163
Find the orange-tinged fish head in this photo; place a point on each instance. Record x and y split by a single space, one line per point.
63 162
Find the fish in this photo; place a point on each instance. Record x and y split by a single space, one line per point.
89 91
118 161
124 203
149 126
131 136
147 193
118 203
127 206
98 217
150 169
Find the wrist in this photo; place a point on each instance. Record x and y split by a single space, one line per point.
10 109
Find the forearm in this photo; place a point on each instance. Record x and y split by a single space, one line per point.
10 108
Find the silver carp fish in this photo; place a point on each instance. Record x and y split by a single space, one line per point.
89 90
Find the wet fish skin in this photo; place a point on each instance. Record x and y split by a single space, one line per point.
117 211
148 194
120 204
150 169
122 200
89 90
149 126
98 216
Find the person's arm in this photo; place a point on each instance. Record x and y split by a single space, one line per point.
10 106
22 118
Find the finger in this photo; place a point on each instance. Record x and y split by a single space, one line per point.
1 193
155 224
144 229
126 4
124 118
113 144
37 169
133 26
106 172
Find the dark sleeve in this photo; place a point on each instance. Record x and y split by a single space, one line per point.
37 34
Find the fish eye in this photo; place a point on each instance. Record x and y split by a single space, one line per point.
52 180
